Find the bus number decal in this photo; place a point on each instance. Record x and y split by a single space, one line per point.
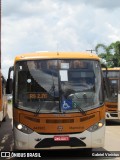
39 128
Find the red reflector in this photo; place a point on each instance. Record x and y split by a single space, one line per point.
61 138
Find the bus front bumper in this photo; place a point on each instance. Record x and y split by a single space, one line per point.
86 139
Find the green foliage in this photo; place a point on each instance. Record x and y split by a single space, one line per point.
110 53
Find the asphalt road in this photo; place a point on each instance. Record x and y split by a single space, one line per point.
112 143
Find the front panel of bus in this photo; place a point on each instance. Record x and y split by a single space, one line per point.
58 104
111 102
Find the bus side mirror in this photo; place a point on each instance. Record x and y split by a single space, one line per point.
9 86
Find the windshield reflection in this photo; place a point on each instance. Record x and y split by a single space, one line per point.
113 77
58 85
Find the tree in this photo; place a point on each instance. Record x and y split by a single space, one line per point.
116 53
110 53
104 53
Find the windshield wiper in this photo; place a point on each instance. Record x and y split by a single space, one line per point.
52 89
79 108
37 110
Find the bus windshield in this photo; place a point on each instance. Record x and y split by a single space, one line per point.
113 74
54 86
113 77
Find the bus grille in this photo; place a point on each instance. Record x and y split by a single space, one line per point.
60 121
112 106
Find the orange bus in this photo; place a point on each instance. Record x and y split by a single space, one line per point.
112 101
58 101
3 99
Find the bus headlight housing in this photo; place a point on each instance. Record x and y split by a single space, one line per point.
100 124
23 128
19 126
96 126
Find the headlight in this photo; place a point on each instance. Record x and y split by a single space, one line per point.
96 126
100 124
19 126
23 128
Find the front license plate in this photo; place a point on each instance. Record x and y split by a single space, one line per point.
61 138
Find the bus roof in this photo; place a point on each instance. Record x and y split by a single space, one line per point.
56 55
112 69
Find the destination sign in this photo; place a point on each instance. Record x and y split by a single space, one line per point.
37 96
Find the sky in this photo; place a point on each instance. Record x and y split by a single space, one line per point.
56 25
